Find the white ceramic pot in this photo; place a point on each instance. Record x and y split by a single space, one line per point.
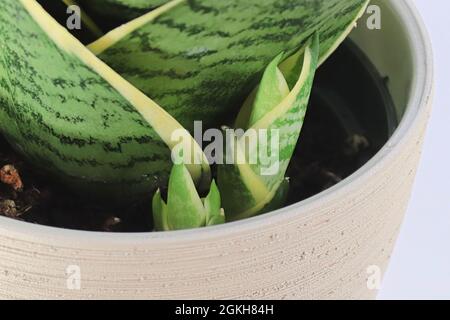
319 248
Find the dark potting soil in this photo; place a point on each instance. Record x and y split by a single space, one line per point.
350 117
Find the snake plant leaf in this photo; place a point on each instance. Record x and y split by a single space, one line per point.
159 209
71 114
120 10
214 211
199 59
249 187
275 90
185 209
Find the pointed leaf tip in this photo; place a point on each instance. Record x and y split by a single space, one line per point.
213 204
185 208
159 212
271 91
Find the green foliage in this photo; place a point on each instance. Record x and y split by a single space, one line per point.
100 118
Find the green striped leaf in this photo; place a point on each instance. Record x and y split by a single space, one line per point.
72 115
276 107
199 59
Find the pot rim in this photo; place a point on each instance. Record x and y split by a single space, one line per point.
419 98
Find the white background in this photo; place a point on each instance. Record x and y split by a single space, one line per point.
420 265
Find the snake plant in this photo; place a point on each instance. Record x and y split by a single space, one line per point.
101 117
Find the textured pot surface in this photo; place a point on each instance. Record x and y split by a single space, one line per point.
323 247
